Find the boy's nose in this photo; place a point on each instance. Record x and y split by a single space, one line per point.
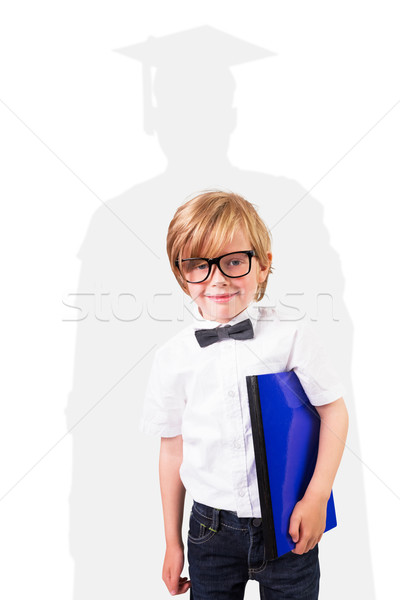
216 275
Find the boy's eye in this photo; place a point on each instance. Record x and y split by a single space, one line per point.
192 265
235 262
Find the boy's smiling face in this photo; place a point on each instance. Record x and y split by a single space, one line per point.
221 298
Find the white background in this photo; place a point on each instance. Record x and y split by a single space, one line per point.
69 103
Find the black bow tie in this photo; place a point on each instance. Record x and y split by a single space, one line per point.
239 331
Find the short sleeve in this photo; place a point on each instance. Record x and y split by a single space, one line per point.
312 365
164 400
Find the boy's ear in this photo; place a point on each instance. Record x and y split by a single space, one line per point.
264 269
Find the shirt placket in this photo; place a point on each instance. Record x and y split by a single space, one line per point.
234 416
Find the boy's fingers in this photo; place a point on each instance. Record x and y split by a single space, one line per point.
300 548
305 545
184 586
171 581
301 543
294 528
181 587
309 546
315 542
174 584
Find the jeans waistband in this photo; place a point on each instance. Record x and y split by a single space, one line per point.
215 516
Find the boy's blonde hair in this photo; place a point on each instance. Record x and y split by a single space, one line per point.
205 223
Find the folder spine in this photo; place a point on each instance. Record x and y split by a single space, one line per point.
261 467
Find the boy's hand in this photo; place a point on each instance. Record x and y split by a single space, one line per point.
307 523
172 569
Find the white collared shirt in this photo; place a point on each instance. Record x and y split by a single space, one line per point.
201 393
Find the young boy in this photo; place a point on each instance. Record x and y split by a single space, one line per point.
196 401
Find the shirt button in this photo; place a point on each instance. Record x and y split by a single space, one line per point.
237 444
241 493
231 393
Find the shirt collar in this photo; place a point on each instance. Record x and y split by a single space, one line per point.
251 312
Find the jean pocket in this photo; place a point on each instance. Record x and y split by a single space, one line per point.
200 531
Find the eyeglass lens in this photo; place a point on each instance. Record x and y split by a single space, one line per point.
233 265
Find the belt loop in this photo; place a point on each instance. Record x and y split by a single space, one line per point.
215 520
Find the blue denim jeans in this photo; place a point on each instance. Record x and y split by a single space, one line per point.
225 551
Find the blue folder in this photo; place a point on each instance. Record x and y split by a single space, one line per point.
285 427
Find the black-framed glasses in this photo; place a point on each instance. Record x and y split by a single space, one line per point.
233 264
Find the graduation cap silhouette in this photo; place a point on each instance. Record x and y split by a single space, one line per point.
199 50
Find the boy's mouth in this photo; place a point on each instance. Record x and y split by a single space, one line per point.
221 297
